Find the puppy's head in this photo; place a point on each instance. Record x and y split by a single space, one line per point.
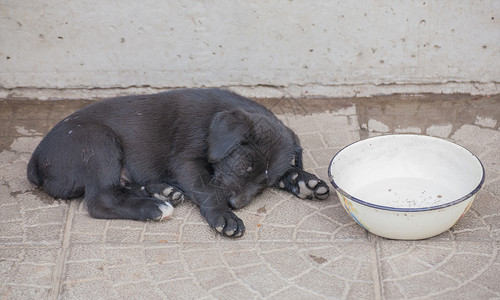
249 152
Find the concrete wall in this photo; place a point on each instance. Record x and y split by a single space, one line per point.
60 48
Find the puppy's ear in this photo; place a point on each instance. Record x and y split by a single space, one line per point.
227 130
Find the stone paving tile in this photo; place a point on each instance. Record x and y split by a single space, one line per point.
27 272
429 269
292 248
256 270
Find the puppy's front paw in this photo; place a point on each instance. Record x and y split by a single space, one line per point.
304 185
226 222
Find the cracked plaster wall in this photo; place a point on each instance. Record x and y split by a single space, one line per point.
57 49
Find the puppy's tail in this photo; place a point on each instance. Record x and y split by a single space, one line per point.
34 174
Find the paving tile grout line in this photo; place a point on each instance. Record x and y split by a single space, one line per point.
57 279
377 272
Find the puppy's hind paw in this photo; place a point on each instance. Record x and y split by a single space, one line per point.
150 209
165 192
166 211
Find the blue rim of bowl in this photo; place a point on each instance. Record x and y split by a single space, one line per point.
406 209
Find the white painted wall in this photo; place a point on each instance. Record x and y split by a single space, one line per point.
58 48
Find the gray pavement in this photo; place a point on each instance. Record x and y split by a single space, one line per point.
292 249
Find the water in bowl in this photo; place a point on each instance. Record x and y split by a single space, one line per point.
405 193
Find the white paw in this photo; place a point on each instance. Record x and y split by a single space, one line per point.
167 210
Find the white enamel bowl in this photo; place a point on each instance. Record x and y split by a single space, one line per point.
406 186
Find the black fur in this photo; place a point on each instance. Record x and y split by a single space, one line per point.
130 157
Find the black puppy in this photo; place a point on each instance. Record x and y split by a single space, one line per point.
134 157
